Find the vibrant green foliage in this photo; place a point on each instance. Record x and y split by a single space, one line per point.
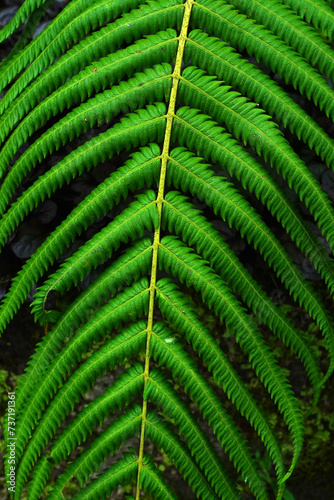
171 107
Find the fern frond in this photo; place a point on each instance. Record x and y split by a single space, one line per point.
25 37
264 46
249 124
180 314
52 32
316 12
160 391
194 128
160 433
175 358
110 316
58 241
93 79
127 426
61 405
123 472
137 260
91 417
102 108
184 219
24 58
108 143
161 13
287 25
151 102
153 483
40 476
219 59
63 31
219 195
181 262
143 168
133 221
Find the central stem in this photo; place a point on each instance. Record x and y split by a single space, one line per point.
160 199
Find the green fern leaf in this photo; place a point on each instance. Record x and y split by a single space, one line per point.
159 432
180 218
317 12
158 389
185 320
176 360
124 428
287 25
63 235
265 47
219 59
106 286
96 77
176 123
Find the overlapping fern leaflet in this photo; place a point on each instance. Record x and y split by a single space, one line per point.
158 107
